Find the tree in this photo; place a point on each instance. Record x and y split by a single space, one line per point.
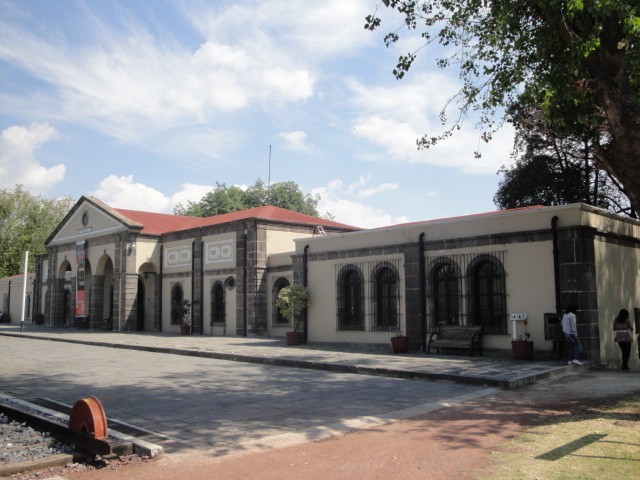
291 302
580 51
25 223
557 164
223 199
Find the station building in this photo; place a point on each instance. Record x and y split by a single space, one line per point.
120 270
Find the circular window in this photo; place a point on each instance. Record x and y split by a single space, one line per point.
230 283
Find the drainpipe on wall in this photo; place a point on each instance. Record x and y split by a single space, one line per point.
556 263
159 287
193 286
9 299
423 294
305 259
244 283
202 284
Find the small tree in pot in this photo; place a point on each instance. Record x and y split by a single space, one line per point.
292 301
181 311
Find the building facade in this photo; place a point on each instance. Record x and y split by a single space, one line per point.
121 270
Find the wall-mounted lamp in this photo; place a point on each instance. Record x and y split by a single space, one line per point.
131 246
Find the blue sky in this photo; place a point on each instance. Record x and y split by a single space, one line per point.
148 103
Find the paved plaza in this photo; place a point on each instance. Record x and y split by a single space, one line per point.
190 392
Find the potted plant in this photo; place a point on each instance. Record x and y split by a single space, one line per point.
182 312
38 319
292 300
400 342
523 347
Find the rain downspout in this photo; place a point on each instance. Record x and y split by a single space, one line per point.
202 284
305 259
193 277
159 287
8 312
244 283
423 294
556 263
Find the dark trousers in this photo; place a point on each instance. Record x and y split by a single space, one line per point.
625 347
575 348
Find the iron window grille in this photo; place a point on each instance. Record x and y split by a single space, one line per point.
467 289
177 296
218 306
368 296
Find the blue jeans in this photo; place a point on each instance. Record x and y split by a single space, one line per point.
575 346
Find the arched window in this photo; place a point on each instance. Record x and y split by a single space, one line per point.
446 295
218 310
350 299
386 298
278 319
488 296
177 296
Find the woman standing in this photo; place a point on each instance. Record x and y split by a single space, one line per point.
570 330
623 335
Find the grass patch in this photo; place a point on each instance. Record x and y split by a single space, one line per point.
599 442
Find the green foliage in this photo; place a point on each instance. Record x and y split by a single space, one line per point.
577 52
26 221
291 302
181 311
557 165
225 199
540 180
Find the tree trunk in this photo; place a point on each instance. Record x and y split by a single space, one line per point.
608 67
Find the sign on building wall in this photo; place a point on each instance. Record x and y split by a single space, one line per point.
80 260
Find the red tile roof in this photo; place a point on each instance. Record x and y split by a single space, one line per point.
159 223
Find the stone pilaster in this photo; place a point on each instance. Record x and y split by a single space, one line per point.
576 252
96 306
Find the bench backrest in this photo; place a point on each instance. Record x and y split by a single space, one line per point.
458 331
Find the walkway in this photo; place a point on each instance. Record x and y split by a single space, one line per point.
493 370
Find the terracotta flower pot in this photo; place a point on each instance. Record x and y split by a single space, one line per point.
295 338
400 344
522 349
185 329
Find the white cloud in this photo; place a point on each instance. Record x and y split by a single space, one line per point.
295 140
393 118
315 30
361 190
131 83
18 165
334 199
189 193
122 192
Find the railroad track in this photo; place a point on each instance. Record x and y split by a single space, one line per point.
33 437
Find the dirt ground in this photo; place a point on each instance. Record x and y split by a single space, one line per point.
453 442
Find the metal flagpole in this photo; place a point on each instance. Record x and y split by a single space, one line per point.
24 287
269 180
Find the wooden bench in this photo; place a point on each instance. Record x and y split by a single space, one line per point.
455 336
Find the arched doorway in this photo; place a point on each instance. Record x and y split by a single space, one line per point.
64 303
67 307
103 294
140 306
147 298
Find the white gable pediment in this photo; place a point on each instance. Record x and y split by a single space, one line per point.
86 221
